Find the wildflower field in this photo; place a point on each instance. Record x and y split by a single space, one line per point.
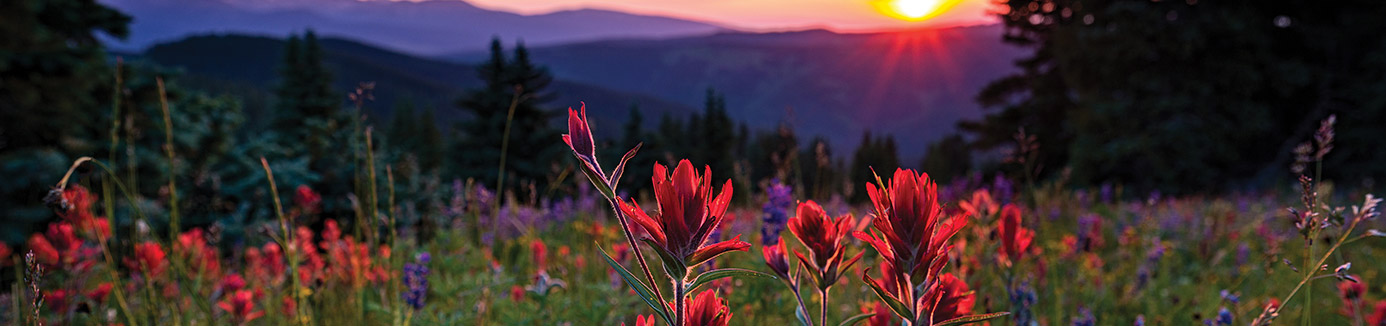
692 163
998 251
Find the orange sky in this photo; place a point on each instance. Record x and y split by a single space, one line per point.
840 15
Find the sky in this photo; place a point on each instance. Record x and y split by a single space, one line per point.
770 15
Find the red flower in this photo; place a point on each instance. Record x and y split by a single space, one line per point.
707 310
880 315
914 233
517 293
232 283
1351 292
58 298
688 212
5 252
579 136
78 204
241 306
63 238
952 298
1378 318
1015 239
775 257
823 237
100 292
43 250
540 254
641 320
306 198
149 259
913 240
204 259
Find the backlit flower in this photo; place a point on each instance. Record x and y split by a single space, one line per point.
913 231
823 237
1015 239
912 236
241 306
149 259
43 250
1378 318
775 257
579 136
706 309
687 214
100 292
953 299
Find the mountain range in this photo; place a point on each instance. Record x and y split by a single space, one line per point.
428 27
913 84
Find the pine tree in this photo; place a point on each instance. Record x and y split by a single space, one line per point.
532 153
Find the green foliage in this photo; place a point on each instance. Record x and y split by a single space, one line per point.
533 150
874 154
948 158
1184 96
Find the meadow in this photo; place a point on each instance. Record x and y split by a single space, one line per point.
1001 251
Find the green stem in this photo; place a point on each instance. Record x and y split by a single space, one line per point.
168 150
505 145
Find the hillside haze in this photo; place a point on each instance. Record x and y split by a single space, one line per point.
913 84
426 27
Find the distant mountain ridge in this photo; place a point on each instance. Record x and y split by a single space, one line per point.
913 84
246 67
426 27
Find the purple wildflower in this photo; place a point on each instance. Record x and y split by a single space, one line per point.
779 200
1084 318
416 281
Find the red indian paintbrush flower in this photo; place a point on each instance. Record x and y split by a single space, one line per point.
912 237
914 232
43 249
241 306
823 237
1378 318
100 292
706 309
688 212
776 258
951 299
1015 239
579 136
149 259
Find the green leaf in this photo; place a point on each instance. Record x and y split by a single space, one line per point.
621 167
644 291
964 320
855 319
596 178
672 266
802 316
716 274
898 307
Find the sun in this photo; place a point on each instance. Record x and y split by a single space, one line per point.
914 10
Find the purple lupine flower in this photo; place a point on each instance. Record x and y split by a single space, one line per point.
1022 298
1224 317
1084 318
780 198
1229 296
1140 320
416 281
